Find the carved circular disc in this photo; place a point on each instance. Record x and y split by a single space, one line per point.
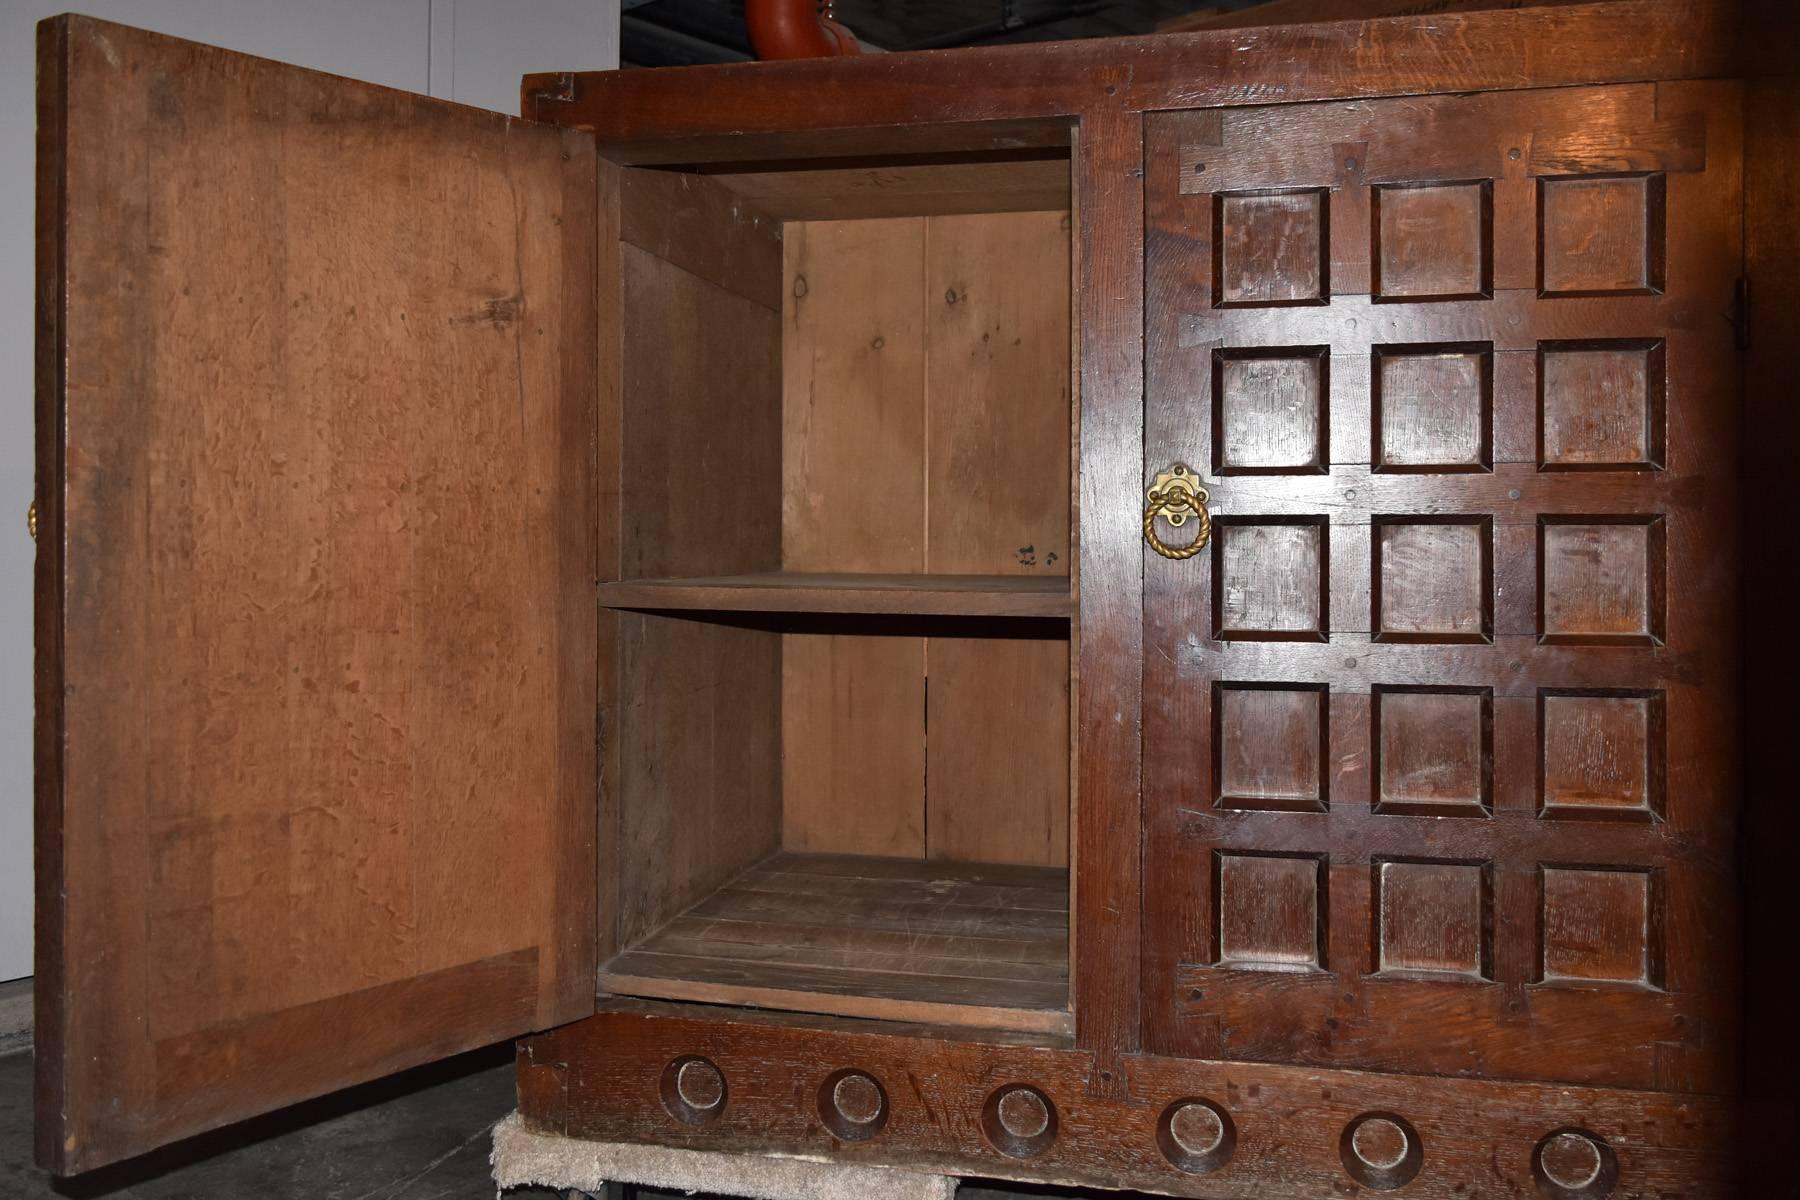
1570 1160
857 1098
693 1089
1019 1120
1024 1112
1196 1127
1573 1164
700 1084
1381 1151
1196 1136
853 1105
1380 1143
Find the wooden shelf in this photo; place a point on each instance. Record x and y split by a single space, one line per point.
899 595
895 939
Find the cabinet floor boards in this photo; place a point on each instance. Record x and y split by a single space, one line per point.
944 943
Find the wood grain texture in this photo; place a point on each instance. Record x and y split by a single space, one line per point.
882 104
892 939
953 330
609 546
695 224
599 1079
843 189
1109 672
1294 12
853 437
325 509
997 383
695 737
817 592
683 334
997 415
1522 594
699 762
997 750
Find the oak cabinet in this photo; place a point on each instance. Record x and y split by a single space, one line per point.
1161 613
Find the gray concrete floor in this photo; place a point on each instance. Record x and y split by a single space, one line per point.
423 1135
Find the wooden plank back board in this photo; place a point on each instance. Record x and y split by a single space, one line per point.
927 430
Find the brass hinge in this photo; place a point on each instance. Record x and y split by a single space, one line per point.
1740 311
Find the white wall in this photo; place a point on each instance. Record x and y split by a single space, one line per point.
468 50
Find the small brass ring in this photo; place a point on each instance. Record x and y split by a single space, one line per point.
1180 502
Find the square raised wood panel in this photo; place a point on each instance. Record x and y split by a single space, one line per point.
1269 911
1269 411
1600 580
1269 579
1433 751
1600 405
1433 918
1433 406
1433 579
1600 754
1433 241
1269 747
1601 235
1271 248
1600 925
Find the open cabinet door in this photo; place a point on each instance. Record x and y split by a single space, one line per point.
315 618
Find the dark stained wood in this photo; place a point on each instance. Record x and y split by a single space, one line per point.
877 104
898 940
1292 12
1497 608
321 483
1405 820
1109 347
599 1078
810 592
1771 328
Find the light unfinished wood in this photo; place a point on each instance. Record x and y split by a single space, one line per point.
998 750
815 592
944 943
853 441
997 499
989 360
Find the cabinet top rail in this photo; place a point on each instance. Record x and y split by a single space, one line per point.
1032 95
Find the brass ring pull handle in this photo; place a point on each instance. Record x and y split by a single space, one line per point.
1175 496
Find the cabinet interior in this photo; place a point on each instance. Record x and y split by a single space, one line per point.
837 777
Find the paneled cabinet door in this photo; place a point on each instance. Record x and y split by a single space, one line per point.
315 656
1439 750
